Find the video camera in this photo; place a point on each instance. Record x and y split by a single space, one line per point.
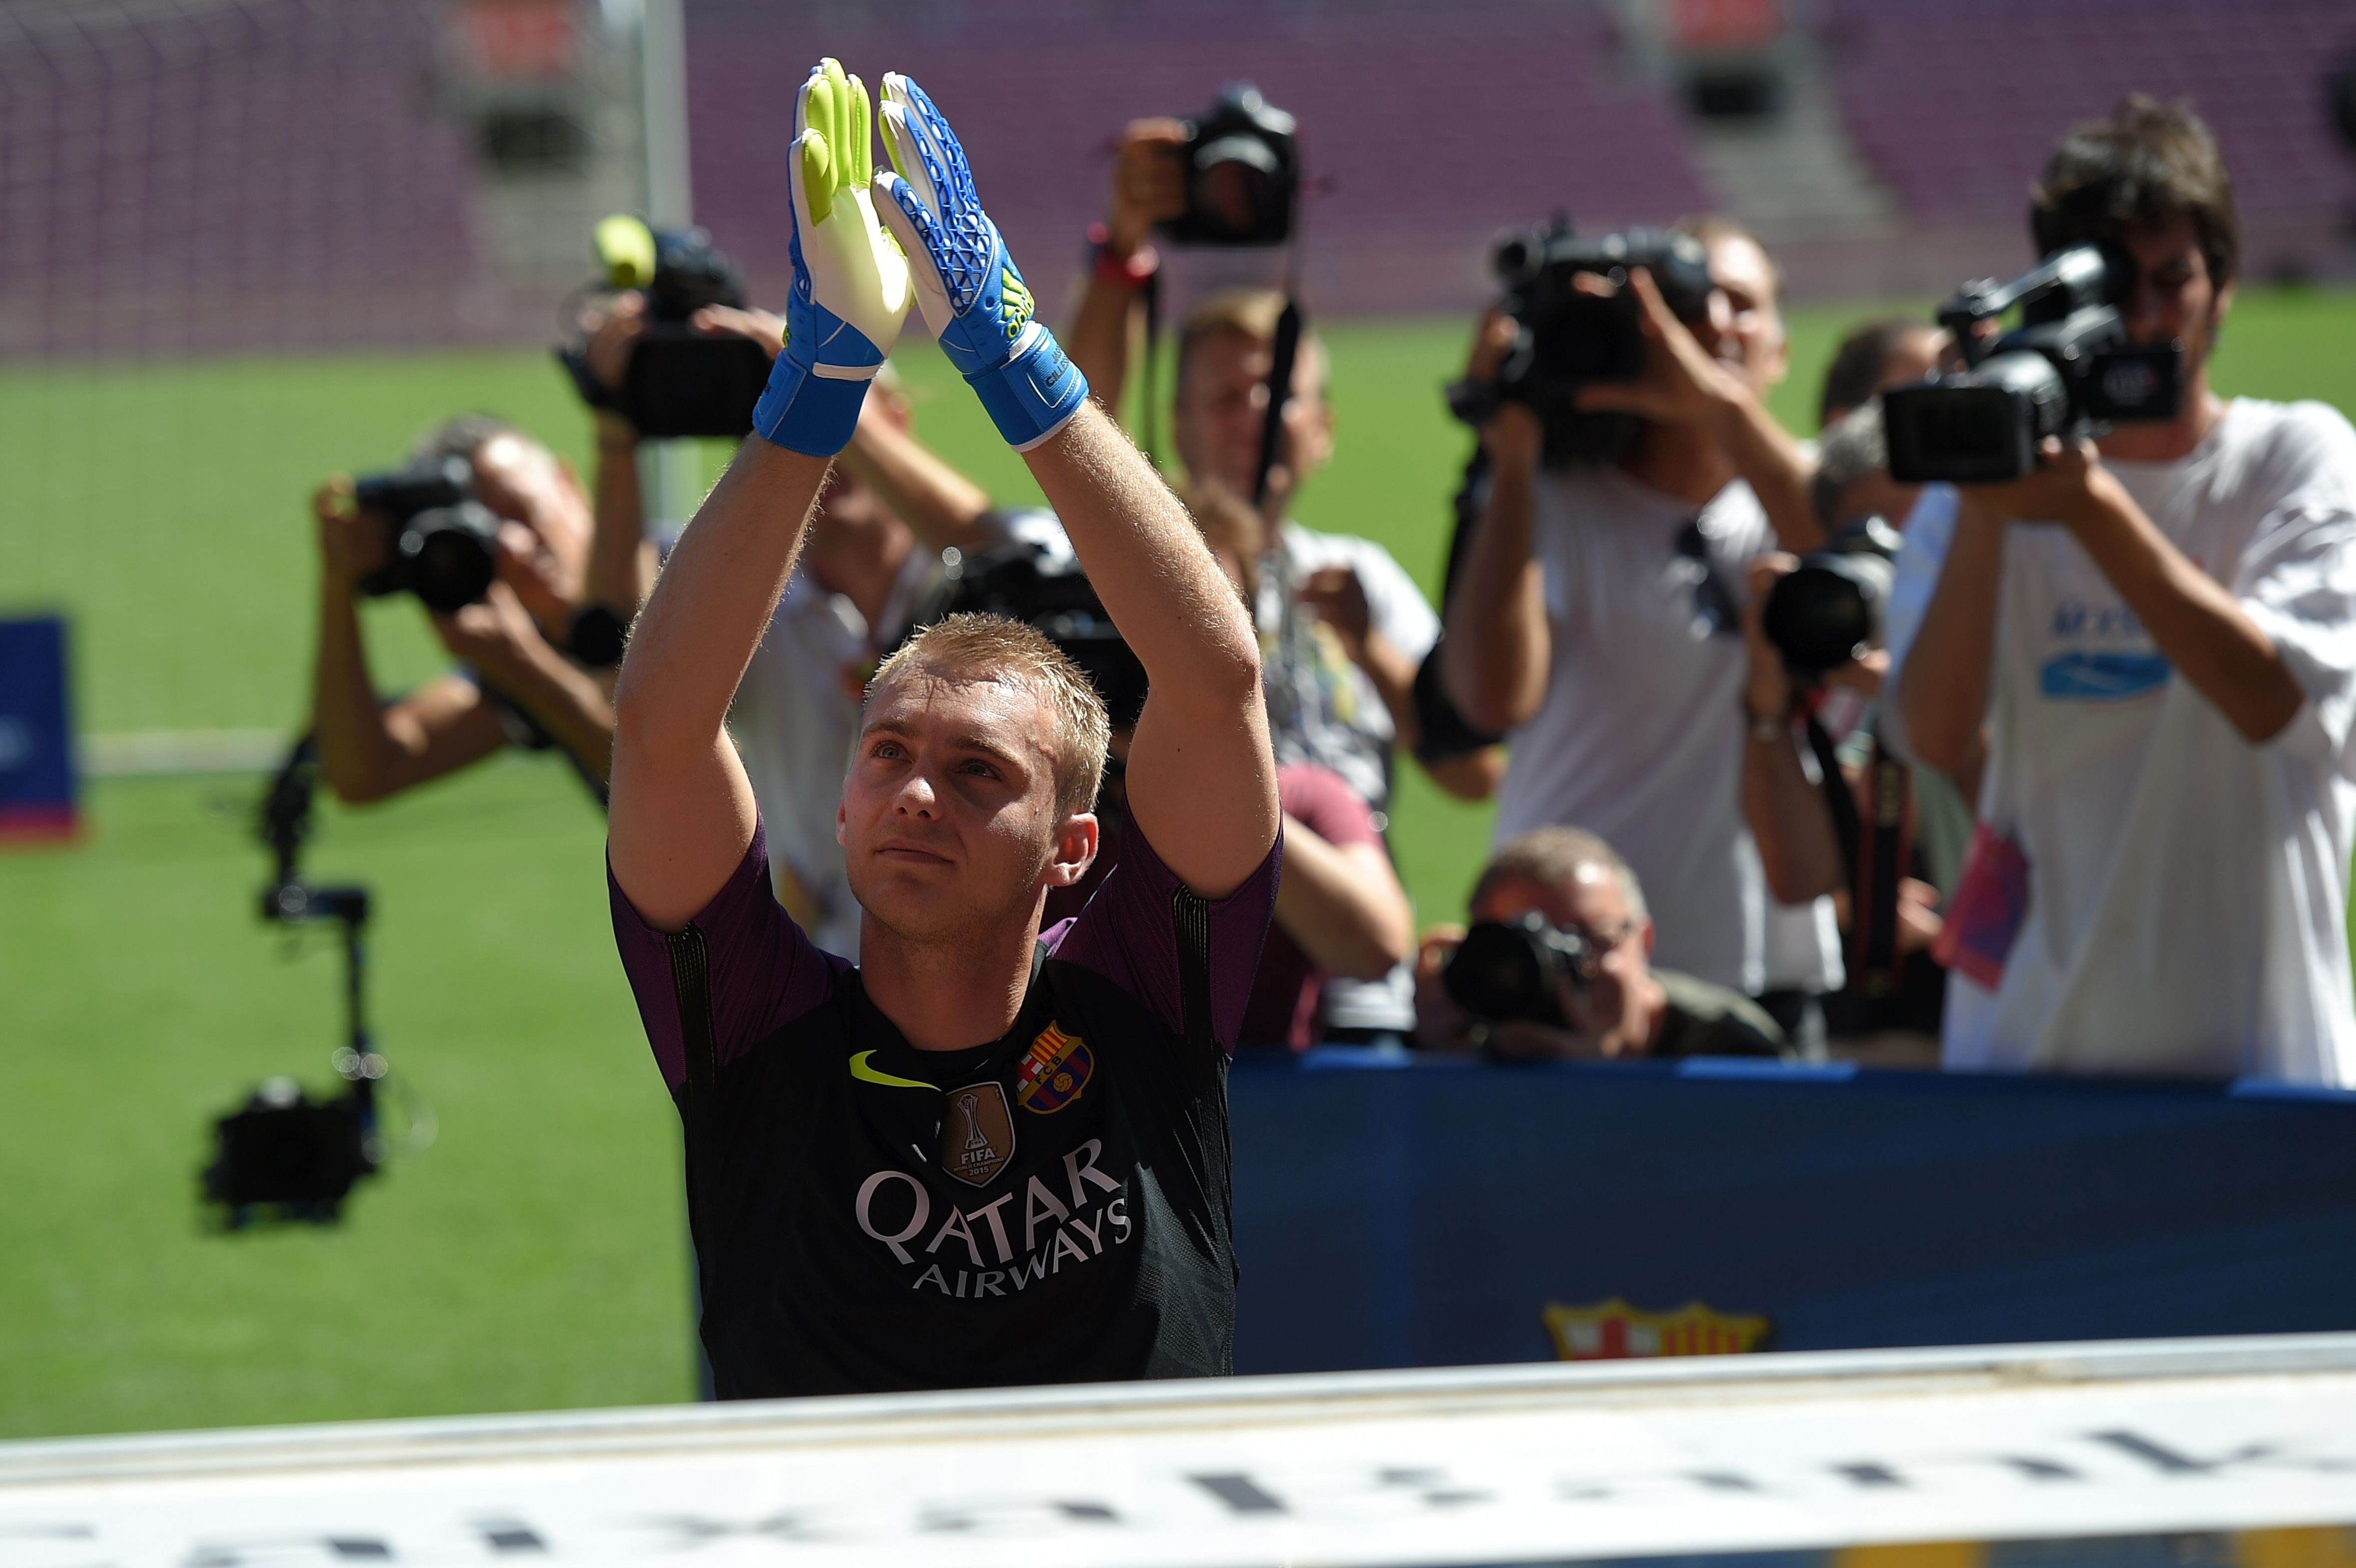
1827 611
1044 587
1243 174
679 381
1510 969
2068 370
283 1155
440 542
1569 339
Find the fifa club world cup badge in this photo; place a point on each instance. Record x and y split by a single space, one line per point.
978 1134
1053 1071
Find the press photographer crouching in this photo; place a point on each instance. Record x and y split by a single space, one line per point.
1620 392
2142 643
1559 964
491 532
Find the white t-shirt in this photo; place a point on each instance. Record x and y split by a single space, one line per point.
1640 737
1321 707
795 719
2187 890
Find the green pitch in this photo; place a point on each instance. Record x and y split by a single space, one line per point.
534 1257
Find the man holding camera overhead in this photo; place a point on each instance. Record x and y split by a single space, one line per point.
2144 651
1352 692
1596 615
516 565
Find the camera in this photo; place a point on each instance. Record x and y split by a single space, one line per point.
679 381
2068 370
440 542
1043 586
1509 969
283 1155
291 1156
1243 173
1827 611
1569 339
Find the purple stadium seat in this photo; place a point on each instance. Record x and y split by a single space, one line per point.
1957 103
1428 129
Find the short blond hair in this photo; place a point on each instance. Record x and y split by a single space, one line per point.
1553 857
972 646
1251 313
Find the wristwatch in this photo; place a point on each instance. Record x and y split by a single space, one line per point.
1768 731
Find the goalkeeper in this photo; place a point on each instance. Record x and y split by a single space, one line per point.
987 1155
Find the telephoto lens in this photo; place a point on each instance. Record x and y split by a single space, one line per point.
448 555
441 544
1827 611
1509 969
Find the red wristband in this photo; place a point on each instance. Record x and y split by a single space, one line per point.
1130 272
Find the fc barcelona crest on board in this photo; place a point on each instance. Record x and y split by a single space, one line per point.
1053 1071
1614 1330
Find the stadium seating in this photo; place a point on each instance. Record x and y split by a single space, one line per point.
199 177
1957 103
1428 128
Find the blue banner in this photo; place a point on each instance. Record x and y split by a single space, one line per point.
37 770
1442 1212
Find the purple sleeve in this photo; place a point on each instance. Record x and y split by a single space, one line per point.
763 972
1129 934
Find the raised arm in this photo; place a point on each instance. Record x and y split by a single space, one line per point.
368 749
1202 781
1684 384
682 811
1149 185
1494 656
1202 778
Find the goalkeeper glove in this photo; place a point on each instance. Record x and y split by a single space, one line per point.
972 295
851 281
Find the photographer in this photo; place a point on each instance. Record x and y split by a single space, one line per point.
2151 642
1340 699
1597 614
1564 893
517 684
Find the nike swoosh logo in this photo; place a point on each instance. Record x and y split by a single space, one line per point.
859 1069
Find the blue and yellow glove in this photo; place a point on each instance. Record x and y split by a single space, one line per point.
971 294
850 280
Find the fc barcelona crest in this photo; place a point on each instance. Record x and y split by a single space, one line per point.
978 1134
1053 1071
1614 1330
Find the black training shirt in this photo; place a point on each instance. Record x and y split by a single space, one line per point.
1049 1207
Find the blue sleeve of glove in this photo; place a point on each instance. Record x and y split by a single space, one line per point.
1033 394
804 410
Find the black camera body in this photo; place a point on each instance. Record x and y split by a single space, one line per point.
1243 174
2068 370
1827 611
441 544
679 381
289 1156
1570 339
1046 589
1509 969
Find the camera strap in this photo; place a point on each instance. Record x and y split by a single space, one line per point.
1883 851
1838 801
1150 397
